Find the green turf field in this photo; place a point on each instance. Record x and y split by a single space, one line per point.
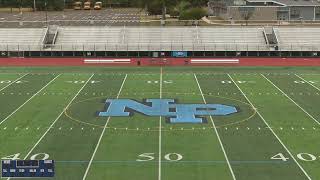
51 113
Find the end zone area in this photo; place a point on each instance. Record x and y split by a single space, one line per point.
52 113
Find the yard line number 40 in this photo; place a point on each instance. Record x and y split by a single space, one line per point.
302 156
38 156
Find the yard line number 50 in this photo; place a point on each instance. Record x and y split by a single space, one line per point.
173 157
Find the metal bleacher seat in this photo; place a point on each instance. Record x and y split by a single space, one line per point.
80 38
17 39
160 38
233 38
298 38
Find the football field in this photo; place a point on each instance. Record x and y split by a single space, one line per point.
48 113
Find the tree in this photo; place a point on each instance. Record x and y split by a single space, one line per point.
217 6
167 4
159 7
179 8
246 13
198 3
153 6
193 14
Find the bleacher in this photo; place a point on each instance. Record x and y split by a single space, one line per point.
87 38
234 38
298 38
19 39
159 39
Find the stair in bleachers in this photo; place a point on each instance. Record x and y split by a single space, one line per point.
271 38
50 36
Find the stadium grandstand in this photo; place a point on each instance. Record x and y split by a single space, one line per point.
137 41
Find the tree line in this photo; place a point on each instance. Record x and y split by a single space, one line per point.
185 9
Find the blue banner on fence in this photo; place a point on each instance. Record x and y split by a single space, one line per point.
179 54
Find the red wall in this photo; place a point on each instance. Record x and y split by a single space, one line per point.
160 61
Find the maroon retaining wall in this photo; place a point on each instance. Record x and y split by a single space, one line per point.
159 61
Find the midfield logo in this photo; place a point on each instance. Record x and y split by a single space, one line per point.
176 113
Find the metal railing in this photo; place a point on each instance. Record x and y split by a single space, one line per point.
156 47
147 22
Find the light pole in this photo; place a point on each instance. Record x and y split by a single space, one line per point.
34 5
21 16
64 6
46 9
20 7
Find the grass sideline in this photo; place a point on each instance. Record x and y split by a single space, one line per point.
273 136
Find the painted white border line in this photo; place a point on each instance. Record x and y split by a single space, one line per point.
28 100
215 61
102 133
291 100
216 131
284 146
14 81
56 120
107 60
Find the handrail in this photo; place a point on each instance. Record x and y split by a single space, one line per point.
55 36
265 36
275 35
44 38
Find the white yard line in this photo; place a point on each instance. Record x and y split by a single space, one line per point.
291 100
216 131
160 131
28 100
308 82
31 150
284 146
13 81
102 133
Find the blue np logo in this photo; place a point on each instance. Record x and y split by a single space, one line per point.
176 113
